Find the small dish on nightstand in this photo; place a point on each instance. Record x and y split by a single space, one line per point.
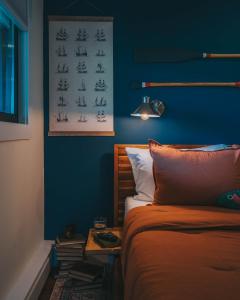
106 239
93 248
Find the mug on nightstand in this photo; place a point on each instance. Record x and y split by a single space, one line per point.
100 223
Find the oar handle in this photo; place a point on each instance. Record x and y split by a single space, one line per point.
187 84
223 55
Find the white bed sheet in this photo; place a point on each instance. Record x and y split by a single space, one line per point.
130 203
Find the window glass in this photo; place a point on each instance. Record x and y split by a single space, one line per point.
8 69
13 69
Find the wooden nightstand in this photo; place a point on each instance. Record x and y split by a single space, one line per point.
108 256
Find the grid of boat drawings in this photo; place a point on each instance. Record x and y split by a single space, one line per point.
81 75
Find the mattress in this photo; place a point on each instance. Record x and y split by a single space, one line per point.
131 202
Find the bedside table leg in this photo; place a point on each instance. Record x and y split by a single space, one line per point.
111 259
114 285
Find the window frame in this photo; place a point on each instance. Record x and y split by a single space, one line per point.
21 130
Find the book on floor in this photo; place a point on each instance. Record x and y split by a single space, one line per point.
64 273
65 265
69 250
77 246
70 254
76 239
80 284
87 270
79 277
70 258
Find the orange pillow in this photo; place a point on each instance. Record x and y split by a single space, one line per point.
193 177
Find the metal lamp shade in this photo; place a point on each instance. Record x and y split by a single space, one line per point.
153 109
145 109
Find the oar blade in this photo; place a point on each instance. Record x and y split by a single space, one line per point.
136 85
161 55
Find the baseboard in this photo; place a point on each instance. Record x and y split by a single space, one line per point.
39 282
34 275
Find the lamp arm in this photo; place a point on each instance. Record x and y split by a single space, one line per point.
158 106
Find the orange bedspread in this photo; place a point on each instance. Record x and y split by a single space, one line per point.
189 253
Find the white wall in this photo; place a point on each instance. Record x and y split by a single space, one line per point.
21 175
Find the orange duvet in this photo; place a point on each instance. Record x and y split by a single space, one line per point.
181 253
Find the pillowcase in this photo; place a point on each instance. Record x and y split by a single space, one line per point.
142 162
193 177
230 199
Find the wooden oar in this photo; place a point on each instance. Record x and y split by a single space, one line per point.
140 84
158 55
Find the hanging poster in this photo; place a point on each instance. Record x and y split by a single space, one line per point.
81 76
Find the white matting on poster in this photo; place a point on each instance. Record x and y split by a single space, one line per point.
81 76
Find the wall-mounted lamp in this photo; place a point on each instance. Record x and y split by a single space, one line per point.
149 109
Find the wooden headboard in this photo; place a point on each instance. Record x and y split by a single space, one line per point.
124 184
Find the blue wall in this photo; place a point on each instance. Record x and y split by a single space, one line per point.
79 170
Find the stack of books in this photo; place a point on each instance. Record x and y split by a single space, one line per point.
78 273
86 275
68 253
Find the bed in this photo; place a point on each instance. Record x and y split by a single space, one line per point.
172 252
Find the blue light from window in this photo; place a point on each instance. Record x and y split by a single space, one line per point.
7 65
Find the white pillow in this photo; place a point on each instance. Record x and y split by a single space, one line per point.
142 163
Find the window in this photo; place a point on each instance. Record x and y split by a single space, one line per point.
13 70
